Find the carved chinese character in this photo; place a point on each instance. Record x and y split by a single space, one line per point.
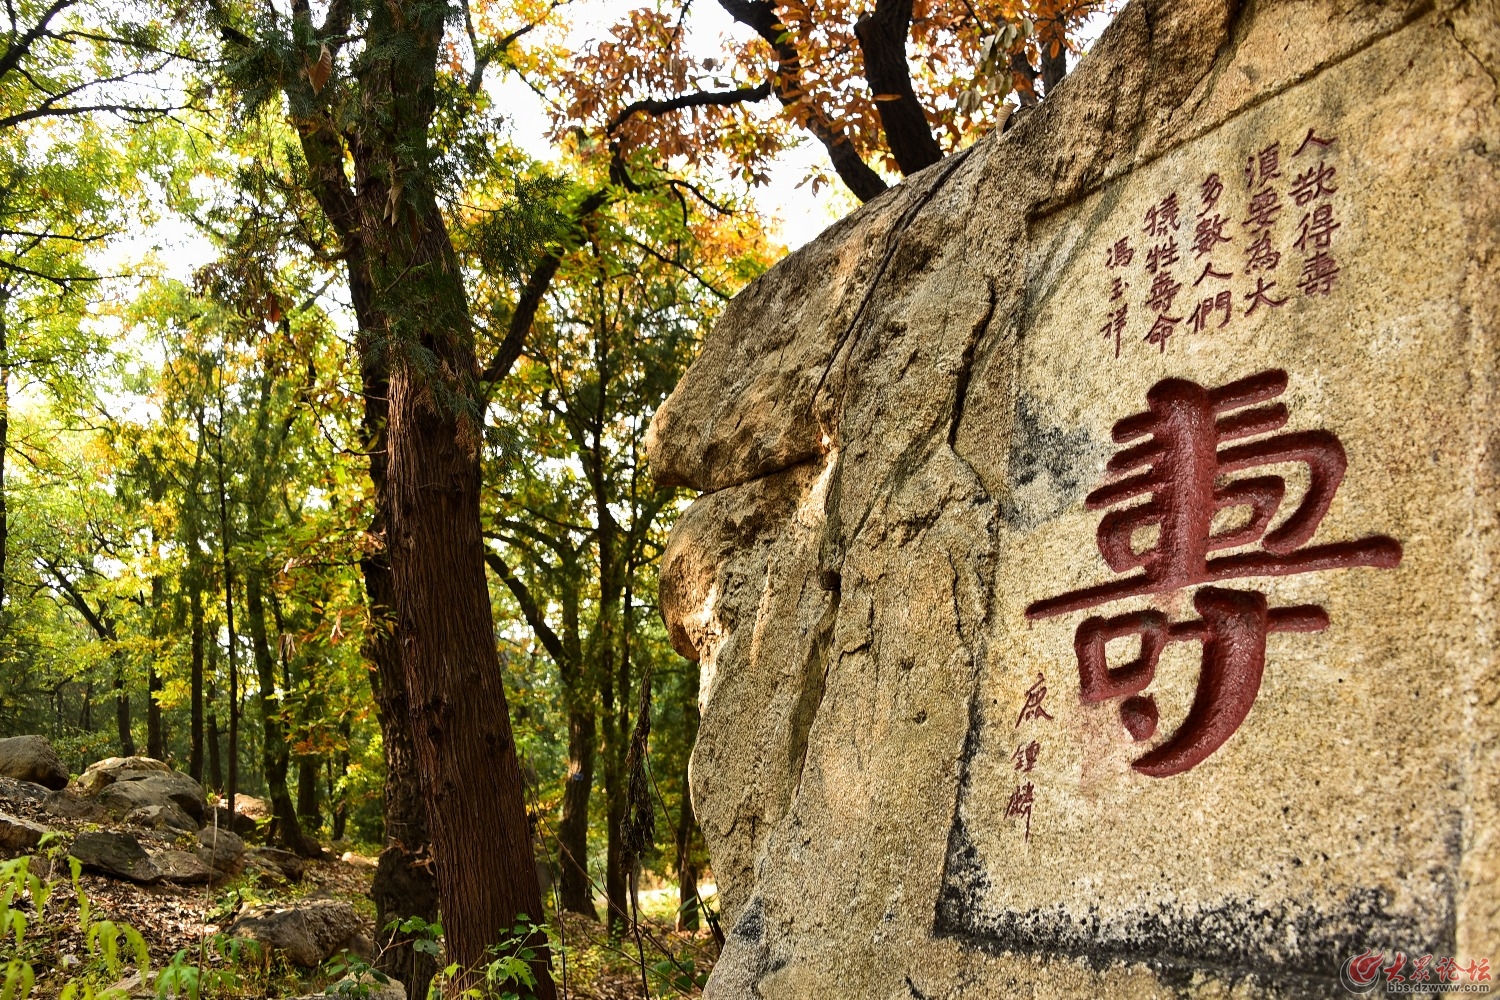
1212 189
1261 167
1262 256
1264 207
1210 233
1318 274
1120 254
1035 695
1161 255
1262 295
1117 289
1313 184
1223 302
1313 140
1161 217
1161 331
1163 291
1020 804
1209 272
1317 228
1114 326
1181 460
1025 756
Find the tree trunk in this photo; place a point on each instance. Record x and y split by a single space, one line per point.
470 777
4 446
882 41
461 723
307 794
156 742
122 714
688 903
574 889
274 754
195 729
404 885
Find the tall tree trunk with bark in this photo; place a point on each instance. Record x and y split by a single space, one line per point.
4 445
274 751
156 740
575 890
122 714
471 778
195 726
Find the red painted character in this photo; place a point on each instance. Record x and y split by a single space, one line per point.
1180 459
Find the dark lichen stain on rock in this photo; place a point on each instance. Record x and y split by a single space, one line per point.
1049 466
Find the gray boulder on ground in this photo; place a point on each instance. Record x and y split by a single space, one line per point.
118 855
18 834
124 784
22 794
167 816
306 932
182 867
237 821
31 758
283 863
221 850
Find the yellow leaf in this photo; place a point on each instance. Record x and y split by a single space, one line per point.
887 97
317 73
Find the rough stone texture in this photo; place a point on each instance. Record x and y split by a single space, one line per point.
898 427
118 855
17 835
24 795
306 932
125 784
165 816
221 850
282 863
107 771
182 867
31 758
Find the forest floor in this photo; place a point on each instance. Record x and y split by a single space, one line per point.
174 919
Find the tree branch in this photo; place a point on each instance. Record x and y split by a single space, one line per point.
701 99
761 17
524 315
533 613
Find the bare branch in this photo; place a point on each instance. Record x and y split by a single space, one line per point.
701 99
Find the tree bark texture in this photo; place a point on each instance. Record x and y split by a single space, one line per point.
195 725
122 714
882 42
274 751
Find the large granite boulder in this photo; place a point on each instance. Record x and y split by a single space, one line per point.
118 855
31 758
1095 581
305 932
125 784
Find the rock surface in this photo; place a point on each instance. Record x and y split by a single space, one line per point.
125 784
31 758
118 855
182 867
925 768
17 835
221 850
305 933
